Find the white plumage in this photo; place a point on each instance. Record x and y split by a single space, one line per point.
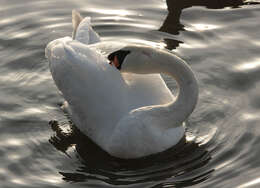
128 115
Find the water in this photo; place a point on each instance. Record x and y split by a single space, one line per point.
220 40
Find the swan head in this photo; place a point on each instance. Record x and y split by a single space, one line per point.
117 58
134 59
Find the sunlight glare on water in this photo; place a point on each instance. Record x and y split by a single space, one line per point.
118 12
252 183
251 64
202 27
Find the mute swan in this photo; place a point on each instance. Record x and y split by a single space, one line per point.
129 113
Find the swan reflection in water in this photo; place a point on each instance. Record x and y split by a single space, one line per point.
99 165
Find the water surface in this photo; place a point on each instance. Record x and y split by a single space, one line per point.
218 38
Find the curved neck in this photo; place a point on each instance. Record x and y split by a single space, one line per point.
179 110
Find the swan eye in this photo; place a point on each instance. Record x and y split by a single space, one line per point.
119 56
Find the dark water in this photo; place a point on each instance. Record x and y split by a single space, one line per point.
220 39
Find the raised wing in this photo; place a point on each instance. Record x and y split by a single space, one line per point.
82 29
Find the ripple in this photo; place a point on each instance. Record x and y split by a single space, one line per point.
222 46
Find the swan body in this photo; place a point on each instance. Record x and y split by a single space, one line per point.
129 113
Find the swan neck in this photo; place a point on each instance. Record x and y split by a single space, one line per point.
183 106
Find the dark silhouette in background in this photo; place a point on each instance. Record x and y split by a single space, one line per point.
172 22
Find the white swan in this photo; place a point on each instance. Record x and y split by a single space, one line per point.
129 115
